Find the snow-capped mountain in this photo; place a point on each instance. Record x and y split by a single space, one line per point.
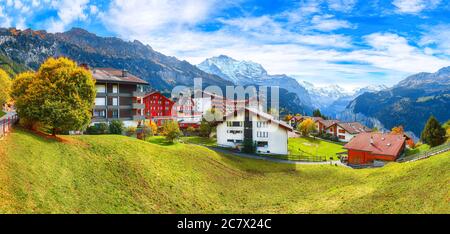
251 73
369 89
322 97
333 99
233 70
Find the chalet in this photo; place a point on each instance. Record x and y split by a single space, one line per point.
119 96
158 108
345 131
326 126
366 148
269 135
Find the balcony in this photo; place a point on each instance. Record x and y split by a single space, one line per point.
138 117
138 106
138 94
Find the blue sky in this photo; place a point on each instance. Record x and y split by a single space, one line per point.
352 43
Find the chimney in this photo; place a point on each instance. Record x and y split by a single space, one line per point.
124 73
85 66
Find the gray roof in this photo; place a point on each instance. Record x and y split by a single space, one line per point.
116 75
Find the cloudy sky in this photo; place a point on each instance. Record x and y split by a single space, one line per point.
347 42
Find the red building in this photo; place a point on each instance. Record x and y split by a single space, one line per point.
158 107
365 148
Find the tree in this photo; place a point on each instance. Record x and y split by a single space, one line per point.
5 87
398 130
171 130
116 127
249 146
206 128
60 95
317 113
306 127
288 117
433 134
153 127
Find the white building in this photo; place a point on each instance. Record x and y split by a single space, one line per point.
269 135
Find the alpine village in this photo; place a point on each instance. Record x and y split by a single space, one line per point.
86 133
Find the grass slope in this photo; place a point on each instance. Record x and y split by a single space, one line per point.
115 174
313 147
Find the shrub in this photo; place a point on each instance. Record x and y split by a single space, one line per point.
97 129
116 127
171 130
191 131
130 131
249 146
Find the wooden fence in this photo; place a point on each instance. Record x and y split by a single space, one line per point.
6 124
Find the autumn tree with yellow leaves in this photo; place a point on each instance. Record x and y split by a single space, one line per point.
60 95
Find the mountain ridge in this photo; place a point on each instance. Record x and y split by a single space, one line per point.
409 103
163 72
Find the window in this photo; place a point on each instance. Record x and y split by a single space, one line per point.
234 124
99 113
234 131
115 101
261 124
100 101
262 134
101 88
262 144
115 114
341 131
230 140
341 137
115 88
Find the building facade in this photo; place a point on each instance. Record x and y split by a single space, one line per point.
158 108
268 134
119 97
366 148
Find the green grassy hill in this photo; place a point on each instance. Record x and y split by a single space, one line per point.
115 174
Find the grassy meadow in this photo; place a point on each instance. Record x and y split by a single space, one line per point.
117 174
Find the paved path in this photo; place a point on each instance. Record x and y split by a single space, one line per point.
251 156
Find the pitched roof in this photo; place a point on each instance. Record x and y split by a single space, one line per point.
329 122
116 75
264 115
383 144
354 127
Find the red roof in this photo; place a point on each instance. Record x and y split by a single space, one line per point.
382 143
354 127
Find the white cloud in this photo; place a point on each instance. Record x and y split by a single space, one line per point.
135 17
341 5
438 36
68 12
5 20
328 23
415 6
282 43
